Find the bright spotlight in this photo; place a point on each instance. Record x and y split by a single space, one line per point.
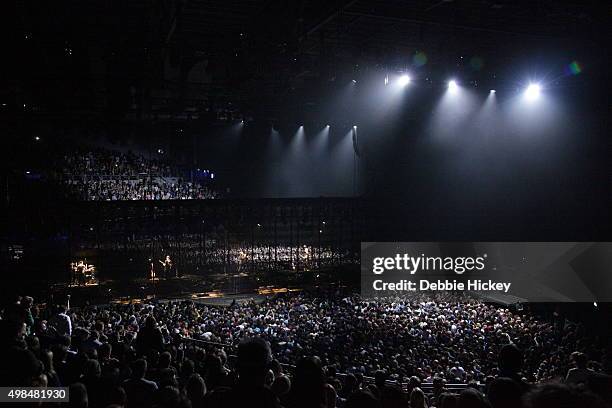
452 85
403 80
355 127
532 92
492 91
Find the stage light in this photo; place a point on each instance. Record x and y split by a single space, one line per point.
327 126
354 81
492 91
386 79
403 80
355 127
37 138
532 92
452 85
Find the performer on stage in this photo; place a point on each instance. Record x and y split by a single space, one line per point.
82 273
167 265
152 271
242 258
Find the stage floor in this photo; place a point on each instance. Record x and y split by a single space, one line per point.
218 291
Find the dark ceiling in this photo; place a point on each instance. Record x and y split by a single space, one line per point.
187 58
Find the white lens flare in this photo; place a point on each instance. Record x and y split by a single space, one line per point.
532 92
403 80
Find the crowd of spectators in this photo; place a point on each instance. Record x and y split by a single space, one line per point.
104 175
95 162
91 189
303 350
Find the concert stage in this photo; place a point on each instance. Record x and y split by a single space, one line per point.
211 290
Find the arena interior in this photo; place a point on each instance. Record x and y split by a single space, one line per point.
188 185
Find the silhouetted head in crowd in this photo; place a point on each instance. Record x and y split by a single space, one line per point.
579 359
33 343
195 389
21 368
471 398
139 368
561 396
254 357
350 385
393 397
167 377
330 370
448 400
164 361
187 368
27 302
510 360
330 396
380 378
276 368
414 382
168 397
362 399
150 322
12 334
281 385
417 398
104 351
92 369
307 384
78 396
504 392
309 373
114 395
